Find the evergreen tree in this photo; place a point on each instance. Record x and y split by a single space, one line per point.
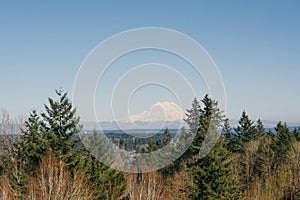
32 145
184 141
152 146
166 137
181 149
211 111
62 127
226 131
283 141
297 134
210 116
261 132
57 130
193 116
231 141
27 153
212 174
106 182
246 130
184 138
171 151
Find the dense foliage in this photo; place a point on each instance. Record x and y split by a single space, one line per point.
48 161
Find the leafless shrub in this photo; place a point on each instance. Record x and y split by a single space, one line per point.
53 181
9 130
6 191
149 188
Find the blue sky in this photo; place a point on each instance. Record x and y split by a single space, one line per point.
255 44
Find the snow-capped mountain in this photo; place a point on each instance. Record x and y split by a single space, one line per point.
160 111
158 116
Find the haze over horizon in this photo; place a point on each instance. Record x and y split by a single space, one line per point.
163 115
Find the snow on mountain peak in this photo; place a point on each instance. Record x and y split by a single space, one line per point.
160 111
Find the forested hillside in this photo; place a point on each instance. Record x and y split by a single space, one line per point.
48 161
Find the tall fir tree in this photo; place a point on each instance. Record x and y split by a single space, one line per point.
183 145
171 151
246 130
211 111
283 141
166 137
57 130
32 145
261 132
62 128
231 140
28 152
184 139
297 133
212 174
193 116
107 183
210 116
226 131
